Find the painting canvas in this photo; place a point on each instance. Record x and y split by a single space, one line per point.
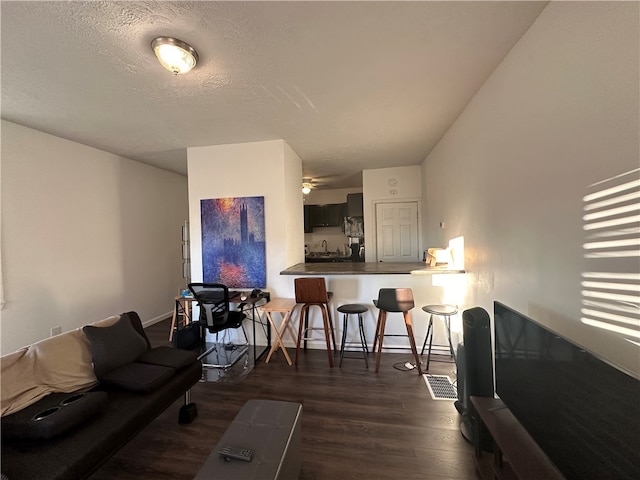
233 242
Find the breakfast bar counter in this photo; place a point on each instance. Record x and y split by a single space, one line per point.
360 283
366 268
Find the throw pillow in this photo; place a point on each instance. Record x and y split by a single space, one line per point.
114 346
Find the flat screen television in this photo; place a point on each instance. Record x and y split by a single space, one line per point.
583 412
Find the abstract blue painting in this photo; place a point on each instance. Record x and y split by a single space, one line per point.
233 242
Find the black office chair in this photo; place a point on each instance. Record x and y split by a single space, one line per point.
215 316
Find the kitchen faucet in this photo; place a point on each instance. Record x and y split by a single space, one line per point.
324 244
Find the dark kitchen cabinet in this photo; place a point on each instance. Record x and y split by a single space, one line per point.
354 205
331 215
318 215
335 214
308 226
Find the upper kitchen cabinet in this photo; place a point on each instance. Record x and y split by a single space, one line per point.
331 215
335 214
308 226
354 205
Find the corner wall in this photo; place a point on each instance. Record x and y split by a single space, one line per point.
559 114
389 185
270 169
85 235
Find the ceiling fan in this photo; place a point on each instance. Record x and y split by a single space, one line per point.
326 182
307 185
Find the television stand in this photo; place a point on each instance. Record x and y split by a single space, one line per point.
515 454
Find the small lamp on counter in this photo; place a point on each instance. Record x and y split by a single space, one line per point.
438 257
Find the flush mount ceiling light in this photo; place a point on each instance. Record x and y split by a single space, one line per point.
175 55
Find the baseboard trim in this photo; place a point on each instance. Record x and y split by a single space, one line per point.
153 321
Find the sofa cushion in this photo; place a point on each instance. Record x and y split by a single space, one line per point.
138 377
53 415
114 346
168 357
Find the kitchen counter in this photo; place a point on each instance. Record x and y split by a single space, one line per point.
366 268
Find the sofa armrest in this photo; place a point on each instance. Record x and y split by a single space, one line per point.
78 453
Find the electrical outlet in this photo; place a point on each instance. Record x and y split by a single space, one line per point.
56 331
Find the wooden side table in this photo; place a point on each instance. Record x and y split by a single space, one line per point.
283 306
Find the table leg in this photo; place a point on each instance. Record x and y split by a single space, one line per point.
256 317
278 332
173 320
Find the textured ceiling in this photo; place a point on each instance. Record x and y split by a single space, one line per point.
348 85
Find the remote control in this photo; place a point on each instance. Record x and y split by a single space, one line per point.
229 452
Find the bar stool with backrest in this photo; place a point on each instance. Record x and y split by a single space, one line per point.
312 291
395 300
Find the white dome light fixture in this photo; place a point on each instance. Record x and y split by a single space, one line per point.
175 55
306 187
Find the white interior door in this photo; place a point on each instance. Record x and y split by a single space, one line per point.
397 232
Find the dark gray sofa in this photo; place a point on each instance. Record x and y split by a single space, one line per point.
100 421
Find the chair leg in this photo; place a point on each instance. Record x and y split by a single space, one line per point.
244 332
375 338
429 328
412 340
448 327
306 325
363 341
362 335
300 331
327 338
382 320
344 337
333 333
430 345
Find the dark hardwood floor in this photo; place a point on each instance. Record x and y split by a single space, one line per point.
355 423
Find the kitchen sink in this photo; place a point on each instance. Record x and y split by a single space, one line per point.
316 257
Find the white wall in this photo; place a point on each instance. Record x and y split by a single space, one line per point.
387 185
85 235
269 169
292 213
559 114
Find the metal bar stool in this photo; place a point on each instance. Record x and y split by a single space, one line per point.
395 300
445 311
353 309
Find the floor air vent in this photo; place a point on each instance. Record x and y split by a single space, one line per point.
440 387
